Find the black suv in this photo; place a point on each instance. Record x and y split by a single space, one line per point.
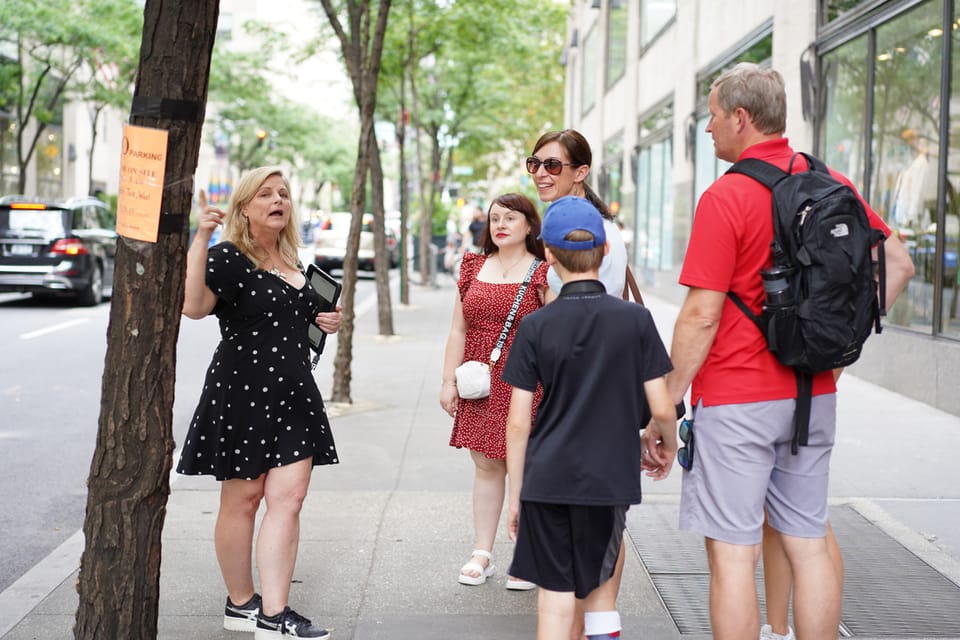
50 246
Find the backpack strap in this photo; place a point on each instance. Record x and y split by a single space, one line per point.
801 415
882 278
763 172
746 311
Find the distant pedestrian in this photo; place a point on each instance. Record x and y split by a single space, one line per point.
489 300
573 476
477 228
260 426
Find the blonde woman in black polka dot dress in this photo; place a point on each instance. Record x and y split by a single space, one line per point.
260 426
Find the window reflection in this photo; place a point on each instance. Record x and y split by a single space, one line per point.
591 61
951 226
616 42
655 15
905 132
842 131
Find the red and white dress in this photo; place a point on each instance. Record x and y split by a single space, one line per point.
481 424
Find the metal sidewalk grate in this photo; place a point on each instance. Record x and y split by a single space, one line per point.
888 591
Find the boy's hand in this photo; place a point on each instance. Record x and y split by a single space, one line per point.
513 523
656 456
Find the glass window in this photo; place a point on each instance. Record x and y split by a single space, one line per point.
611 178
951 226
49 157
591 62
833 9
9 169
616 42
905 139
655 15
655 232
655 225
842 131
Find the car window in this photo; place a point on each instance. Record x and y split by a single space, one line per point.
105 217
47 222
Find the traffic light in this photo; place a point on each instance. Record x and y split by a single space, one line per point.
261 136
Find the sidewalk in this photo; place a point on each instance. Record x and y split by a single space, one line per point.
385 531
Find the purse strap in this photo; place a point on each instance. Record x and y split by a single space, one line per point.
630 286
495 354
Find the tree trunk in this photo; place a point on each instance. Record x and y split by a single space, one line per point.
94 117
381 255
404 203
129 476
342 364
362 50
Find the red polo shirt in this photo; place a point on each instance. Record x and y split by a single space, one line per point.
729 245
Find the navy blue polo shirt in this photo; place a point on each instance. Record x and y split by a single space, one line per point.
592 353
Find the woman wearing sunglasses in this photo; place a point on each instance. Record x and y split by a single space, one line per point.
559 165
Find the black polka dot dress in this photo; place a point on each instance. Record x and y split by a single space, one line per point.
260 407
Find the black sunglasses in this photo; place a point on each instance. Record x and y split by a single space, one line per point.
685 454
553 165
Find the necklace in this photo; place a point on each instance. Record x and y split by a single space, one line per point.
507 270
276 271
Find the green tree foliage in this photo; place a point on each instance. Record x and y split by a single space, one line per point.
495 83
317 148
478 91
51 51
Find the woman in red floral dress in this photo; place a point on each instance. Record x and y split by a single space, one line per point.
488 285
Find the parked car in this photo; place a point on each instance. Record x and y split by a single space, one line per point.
57 247
330 242
923 251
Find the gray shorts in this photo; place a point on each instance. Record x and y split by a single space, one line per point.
742 463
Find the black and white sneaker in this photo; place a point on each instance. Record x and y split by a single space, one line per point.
287 623
242 617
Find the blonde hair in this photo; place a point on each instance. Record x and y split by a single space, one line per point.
236 227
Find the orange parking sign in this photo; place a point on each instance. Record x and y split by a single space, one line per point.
143 161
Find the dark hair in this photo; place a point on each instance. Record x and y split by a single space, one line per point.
578 261
521 204
578 150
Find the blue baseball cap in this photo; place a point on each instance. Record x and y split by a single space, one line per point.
571 213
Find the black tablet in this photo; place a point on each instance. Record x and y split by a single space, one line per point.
329 290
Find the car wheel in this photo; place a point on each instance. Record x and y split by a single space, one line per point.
92 294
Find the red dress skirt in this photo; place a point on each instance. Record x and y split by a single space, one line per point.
481 425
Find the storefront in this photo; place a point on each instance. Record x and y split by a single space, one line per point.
870 88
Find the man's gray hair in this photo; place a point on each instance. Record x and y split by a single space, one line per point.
758 90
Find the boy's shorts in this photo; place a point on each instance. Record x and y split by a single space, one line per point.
563 547
742 464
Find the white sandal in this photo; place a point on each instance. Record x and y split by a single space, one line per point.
475 581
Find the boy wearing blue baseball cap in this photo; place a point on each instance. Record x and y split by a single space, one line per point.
576 472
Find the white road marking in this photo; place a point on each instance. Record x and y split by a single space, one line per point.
52 329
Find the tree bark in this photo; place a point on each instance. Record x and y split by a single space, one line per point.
381 260
129 476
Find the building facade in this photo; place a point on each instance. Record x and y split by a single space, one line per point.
870 87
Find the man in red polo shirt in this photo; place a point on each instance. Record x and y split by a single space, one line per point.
743 397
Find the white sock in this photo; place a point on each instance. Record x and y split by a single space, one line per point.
600 622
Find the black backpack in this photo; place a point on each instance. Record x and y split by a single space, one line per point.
821 302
